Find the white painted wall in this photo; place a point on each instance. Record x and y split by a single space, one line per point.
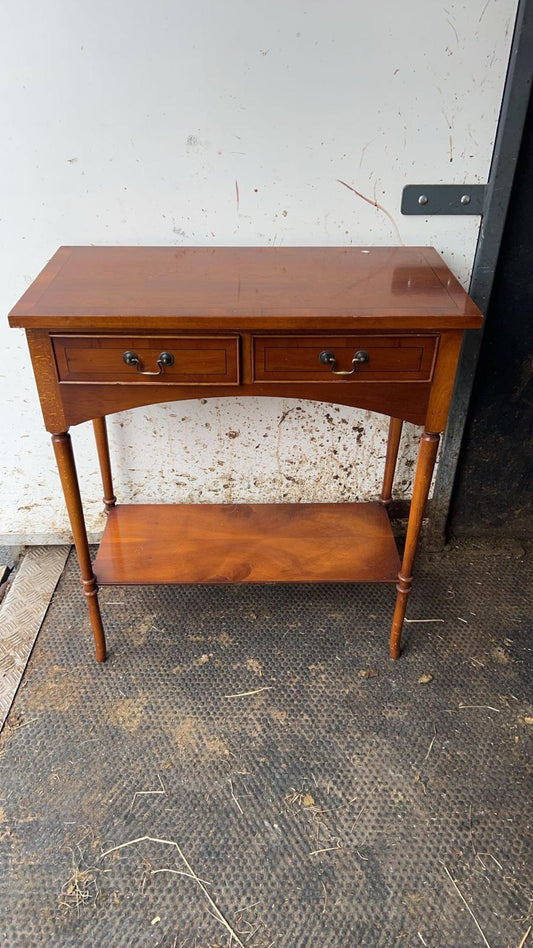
135 123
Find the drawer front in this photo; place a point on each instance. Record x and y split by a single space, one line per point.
406 358
176 360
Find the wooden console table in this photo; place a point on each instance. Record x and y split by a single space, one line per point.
111 328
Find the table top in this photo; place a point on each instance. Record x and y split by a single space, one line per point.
225 288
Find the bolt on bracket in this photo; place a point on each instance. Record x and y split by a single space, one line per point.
429 199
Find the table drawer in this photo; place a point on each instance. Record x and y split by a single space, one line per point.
303 358
176 360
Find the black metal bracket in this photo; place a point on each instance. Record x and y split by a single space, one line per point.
428 199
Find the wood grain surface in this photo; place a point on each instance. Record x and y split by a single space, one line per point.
203 287
197 359
253 543
390 358
84 401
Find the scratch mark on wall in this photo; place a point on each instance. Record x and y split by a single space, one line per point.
365 148
284 415
375 204
482 14
448 123
450 142
454 30
237 195
476 143
286 412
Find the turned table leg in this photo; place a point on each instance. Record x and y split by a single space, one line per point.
429 444
393 443
102 446
69 481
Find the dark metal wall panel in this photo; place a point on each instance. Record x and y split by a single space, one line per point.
503 167
493 492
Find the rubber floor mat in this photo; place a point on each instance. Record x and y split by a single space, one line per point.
250 768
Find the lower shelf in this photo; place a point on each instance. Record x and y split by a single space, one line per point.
247 543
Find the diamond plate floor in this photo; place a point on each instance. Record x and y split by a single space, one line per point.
332 807
22 612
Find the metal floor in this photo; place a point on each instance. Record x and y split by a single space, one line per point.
298 787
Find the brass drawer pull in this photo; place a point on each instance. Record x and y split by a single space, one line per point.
327 357
131 358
